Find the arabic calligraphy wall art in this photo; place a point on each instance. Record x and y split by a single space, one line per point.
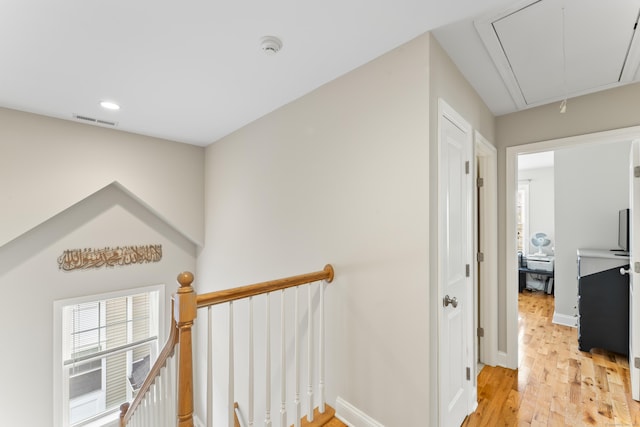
84 259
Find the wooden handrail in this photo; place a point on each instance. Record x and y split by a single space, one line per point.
127 409
184 305
227 295
183 313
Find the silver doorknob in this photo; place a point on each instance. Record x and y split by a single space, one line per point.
448 300
623 271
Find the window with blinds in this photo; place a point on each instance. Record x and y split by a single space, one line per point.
522 217
108 346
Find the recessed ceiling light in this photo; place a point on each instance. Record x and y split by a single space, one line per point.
109 105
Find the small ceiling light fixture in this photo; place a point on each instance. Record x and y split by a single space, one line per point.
270 45
109 105
563 104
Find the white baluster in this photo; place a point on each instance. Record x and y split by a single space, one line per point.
310 355
209 366
321 351
145 410
166 396
267 418
150 407
169 393
251 366
140 413
296 357
159 403
173 376
162 398
156 405
283 365
231 368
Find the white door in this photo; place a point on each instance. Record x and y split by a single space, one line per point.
455 270
634 276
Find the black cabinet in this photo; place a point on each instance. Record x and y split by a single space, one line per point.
603 301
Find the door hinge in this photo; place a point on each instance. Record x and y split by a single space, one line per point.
467 166
480 332
468 270
480 182
480 257
636 171
636 362
636 267
468 373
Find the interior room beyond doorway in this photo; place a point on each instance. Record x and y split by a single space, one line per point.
535 222
583 193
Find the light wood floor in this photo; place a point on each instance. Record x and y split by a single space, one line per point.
326 419
556 384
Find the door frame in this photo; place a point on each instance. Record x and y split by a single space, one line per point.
510 358
486 156
446 112
634 277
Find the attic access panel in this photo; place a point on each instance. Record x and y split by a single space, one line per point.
529 39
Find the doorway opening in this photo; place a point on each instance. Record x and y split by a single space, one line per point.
564 288
486 246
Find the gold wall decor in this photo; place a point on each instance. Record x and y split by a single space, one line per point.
84 259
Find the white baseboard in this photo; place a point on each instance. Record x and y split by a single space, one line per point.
563 319
501 359
352 416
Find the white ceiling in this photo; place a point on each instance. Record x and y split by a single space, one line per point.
534 52
194 71
536 160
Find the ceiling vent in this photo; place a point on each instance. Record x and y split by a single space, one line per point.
94 121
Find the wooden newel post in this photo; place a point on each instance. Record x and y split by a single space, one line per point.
185 307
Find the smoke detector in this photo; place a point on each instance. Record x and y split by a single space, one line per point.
270 45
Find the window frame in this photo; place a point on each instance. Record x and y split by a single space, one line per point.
61 399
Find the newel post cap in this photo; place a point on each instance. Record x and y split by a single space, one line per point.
185 305
185 279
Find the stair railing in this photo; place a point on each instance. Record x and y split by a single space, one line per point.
166 396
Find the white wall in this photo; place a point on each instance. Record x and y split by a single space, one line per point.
591 186
541 204
47 165
31 281
341 176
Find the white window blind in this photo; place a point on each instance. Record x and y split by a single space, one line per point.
107 348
